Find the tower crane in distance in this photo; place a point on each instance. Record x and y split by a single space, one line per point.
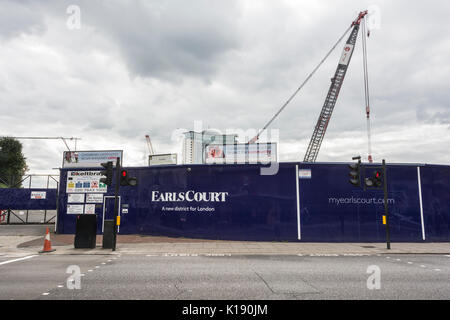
149 145
333 92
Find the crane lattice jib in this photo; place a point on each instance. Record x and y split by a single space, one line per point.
333 92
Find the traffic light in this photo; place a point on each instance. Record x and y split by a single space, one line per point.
108 173
376 180
125 180
355 173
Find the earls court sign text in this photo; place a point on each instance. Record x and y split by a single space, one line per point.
189 196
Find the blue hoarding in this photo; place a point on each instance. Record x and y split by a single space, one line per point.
31 199
302 202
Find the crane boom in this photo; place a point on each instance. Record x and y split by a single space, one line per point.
333 92
149 145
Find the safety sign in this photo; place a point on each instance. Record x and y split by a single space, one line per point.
85 182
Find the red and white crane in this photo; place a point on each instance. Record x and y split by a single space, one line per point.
333 92
149 145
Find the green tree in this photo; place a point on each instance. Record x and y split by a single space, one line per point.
12 163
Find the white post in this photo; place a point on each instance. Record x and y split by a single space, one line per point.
420 202
298 203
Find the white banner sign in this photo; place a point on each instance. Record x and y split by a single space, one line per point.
304 173
94 198
75 209
75 198
85 159
38 194
162 159
242 153
89 208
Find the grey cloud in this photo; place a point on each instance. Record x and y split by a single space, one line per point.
168 39
440 117
18 17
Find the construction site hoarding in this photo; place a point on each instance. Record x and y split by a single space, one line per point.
236 202
88 159
241 153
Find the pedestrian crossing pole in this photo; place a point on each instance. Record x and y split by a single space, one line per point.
386 212
116 203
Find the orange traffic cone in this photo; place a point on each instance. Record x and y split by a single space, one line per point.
47 243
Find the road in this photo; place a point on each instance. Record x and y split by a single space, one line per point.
133 276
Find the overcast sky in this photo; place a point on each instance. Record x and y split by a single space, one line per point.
149 67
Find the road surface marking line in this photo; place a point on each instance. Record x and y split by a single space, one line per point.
97 267
46 293
20 259
423 266
409 262
437 269
103 263
397 259
60 286
90 270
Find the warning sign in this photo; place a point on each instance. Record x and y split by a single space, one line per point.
85 182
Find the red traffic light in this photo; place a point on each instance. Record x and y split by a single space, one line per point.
377 174
124 173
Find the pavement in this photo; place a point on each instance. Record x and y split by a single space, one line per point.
164 268
261 248
26 240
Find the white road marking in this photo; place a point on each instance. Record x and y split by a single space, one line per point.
19 259
409 262
90 270
96 267
397 259
103 263
46 293
437 269
423 266
60 286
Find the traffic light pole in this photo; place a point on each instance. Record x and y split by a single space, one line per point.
116 204
386 213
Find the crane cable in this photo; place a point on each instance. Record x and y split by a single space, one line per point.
300 87
366 89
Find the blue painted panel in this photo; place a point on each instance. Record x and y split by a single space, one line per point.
334 210
255 207
20 199
436 202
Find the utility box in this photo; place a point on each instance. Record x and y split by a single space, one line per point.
86 231
108 234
